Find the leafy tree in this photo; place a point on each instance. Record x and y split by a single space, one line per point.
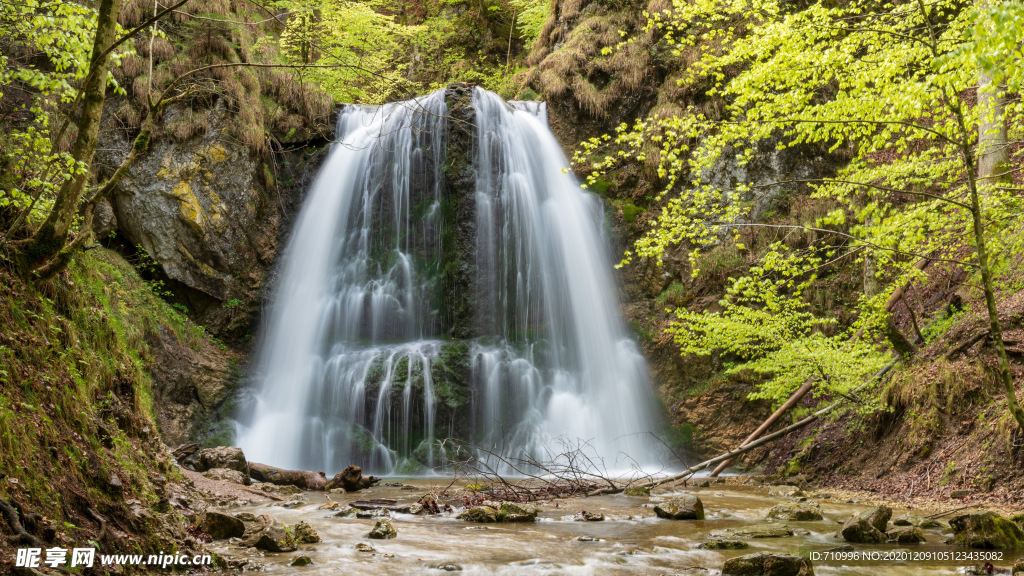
892 85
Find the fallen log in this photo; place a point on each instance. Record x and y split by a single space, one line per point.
305 479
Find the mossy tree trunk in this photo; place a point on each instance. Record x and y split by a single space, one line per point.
49 239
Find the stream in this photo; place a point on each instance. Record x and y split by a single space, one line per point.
631 539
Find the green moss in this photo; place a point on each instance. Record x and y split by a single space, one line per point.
630 212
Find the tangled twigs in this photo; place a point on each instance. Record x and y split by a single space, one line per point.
21 536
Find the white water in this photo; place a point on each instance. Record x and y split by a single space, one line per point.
355 368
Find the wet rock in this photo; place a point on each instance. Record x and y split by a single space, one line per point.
688 507
228 457
796 512
767 564
279 489
383 530
785 492
512 512
303 479
843 548
227 475
363 547
334 506
346 513
723 544
479 514
271 538
351 479
588 539
986 530
585 516
220 526
381 504
757 531
301 561
868 527
416 508
637 491
305 534
905 535
246 516
447 567
911 519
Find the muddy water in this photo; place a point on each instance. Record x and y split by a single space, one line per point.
632 540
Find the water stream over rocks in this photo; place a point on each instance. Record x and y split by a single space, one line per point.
631 539
447 277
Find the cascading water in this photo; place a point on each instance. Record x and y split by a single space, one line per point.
412 309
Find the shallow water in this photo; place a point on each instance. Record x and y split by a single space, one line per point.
632 540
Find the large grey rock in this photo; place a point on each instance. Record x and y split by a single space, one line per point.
986 530
688 507
305 534
868 527
229 457
271 538
767 564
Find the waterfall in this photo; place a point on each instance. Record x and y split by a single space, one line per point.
415 306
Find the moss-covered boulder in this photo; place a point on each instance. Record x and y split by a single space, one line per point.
512 512
271 538
768 564
305 534
484 514
723 544
796 512
986 530
868 527
905 535
383 530
688 507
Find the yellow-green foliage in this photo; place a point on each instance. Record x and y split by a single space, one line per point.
75 393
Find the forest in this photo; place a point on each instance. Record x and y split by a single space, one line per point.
636 286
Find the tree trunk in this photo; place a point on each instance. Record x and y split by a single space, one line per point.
49 239
993 143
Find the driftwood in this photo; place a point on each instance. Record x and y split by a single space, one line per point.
304 479
351 479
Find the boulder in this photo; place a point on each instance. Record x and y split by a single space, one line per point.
228 457
383 530
796 512
723 544
364 547
351 479
688 507
905 535
767 564
220 526
303 479
227 475
305 534
585 516
301 561
868 527
986 530
484 514
271 538
512 512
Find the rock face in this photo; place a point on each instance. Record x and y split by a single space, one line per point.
796 512
192 387
351 479
986 530
686 508
220 526
205 211
383 530
868 527
767 564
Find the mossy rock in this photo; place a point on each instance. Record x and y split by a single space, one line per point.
768 564
637 491
688 507
383 530
512 512
301 561
986 530
484 514
796 512
905 535
868 527
723 544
